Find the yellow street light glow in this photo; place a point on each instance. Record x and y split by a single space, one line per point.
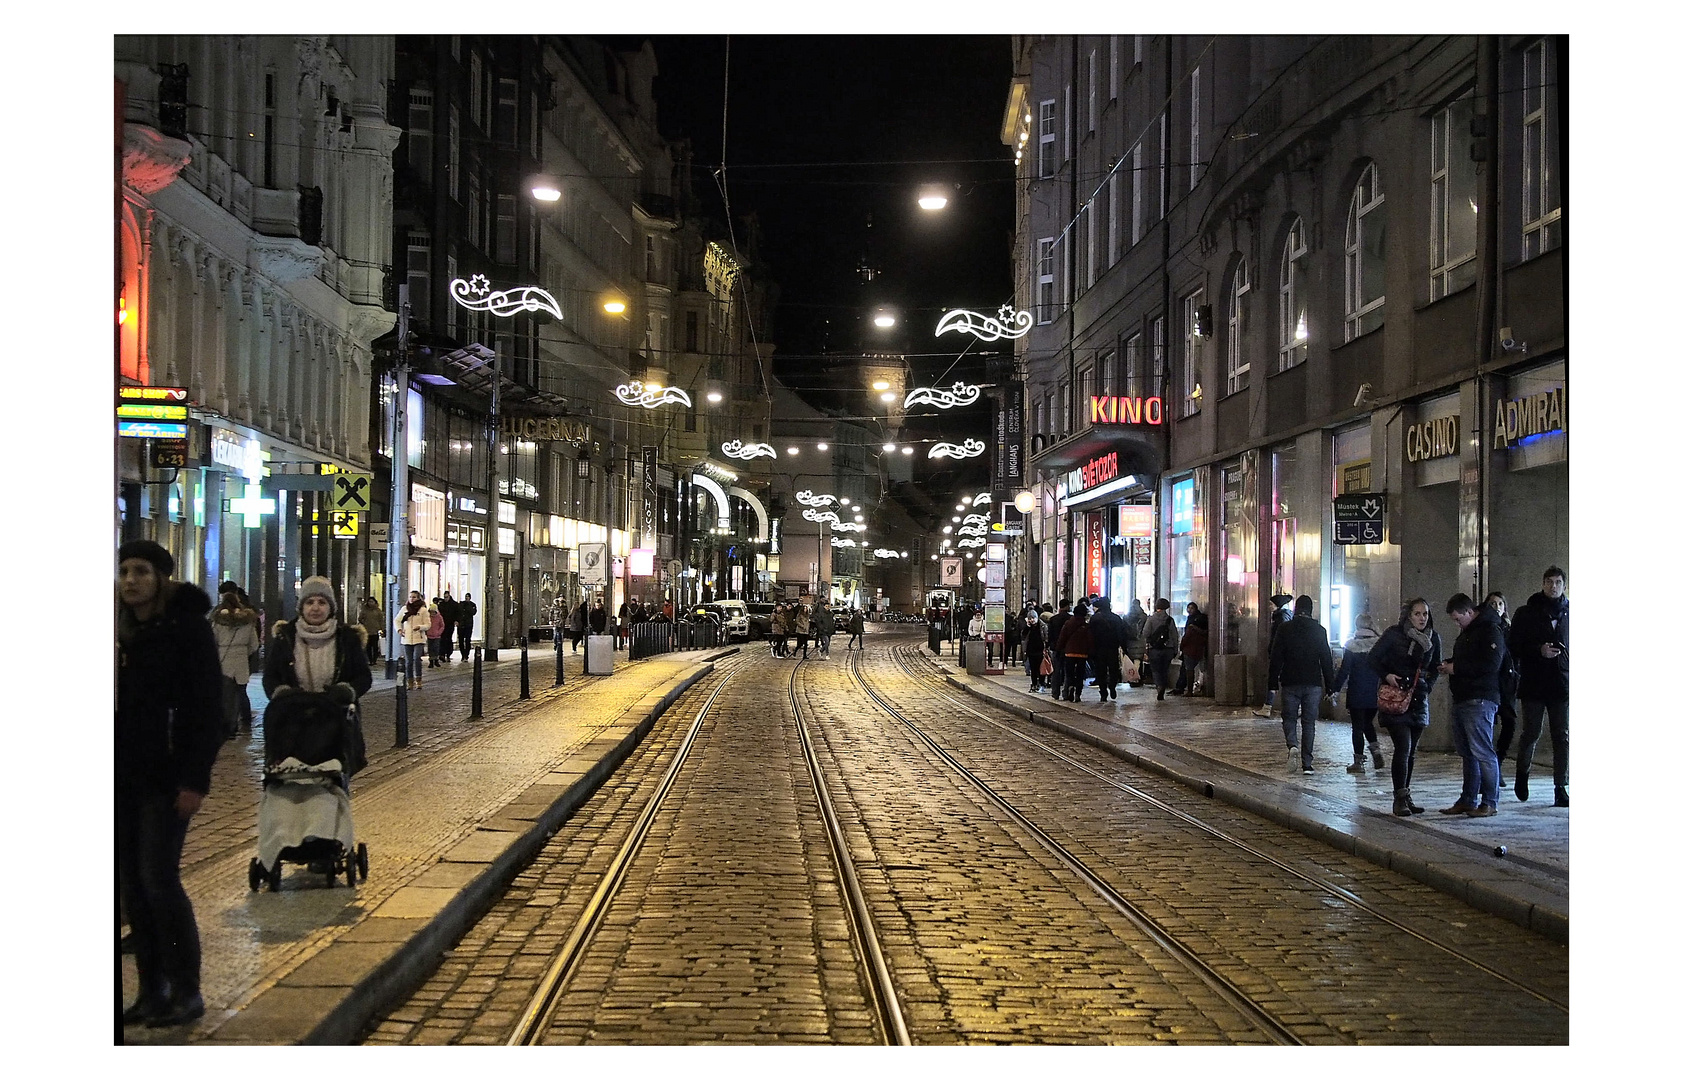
715 397
880 384
614 307
888 448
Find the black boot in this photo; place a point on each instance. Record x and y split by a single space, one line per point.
1522 786
1159 693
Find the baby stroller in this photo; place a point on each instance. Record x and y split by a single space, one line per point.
312 744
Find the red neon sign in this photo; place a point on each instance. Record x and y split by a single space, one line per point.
1107 409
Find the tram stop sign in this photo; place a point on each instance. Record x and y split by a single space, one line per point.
1358 519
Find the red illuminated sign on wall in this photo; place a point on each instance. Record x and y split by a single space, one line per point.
1095 553
1100 470
1105 409
1136 521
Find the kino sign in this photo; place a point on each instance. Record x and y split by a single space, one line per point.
1106 409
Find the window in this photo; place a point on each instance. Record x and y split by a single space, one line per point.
1294 311
455 153
1093 226
269 129
1039 417
1192 391
1138 184
476 91
1048 138
506 131
1163 164
1454 215
692 331
1048 281
473 210
1092 91
1159 354
420 133
1109 379
505 229
1540 147
1139 49
1364 257
1113 241
1193 146
1238 299
419 276
1083 390
1134 380
649 258
1115 60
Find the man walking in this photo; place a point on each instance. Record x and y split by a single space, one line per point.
465 612
1539 643
1107 631
1054 631
373 621
168 731
1281 615
856 630
1474 672
1162 638
451 611
1300 664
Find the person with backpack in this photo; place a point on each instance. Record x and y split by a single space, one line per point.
1162 638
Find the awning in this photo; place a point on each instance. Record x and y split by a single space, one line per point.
1142 455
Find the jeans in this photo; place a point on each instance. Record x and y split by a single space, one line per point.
1057 679
1161 660
1361 728
1075 677
1307 700
166 936
1188 673
1405 733
1475 742
1533 728
412 660
1107 672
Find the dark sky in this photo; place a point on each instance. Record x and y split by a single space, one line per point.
830 138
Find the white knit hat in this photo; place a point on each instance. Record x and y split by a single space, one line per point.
318 586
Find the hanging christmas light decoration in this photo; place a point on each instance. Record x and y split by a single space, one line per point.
475 294
973 530
884 553
1010 324
960 394
845 541
737 450
651 397
821 516
807 498
982 499
976 519
972 541
971 448
848 526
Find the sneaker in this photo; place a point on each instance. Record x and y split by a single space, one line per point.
1308 768
1291 756
1482 811
1356 768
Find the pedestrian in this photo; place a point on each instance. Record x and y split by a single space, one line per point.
1013 638
1194 643
1054 636
1075 644
235 626
435 633
1362 697
373 622
1407 658
1162 638
803 627
412 627
1034 650
580 621
168 732
1135 621
856 630
1107 630
1300 664
1280 616
1475 688
451 612
780 629
599 617
317 653
1507 709
1540 641
823 626
974 628
466 611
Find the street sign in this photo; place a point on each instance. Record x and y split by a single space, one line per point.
351 491
1358 519
952 573
169 453
379 535
346 523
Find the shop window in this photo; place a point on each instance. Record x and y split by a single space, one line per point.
1238 300
1294 307
1540 150
1454 217
1364 257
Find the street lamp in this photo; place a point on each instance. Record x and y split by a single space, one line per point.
544 188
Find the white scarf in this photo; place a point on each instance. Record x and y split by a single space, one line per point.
314 655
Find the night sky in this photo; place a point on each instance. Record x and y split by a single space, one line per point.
830 139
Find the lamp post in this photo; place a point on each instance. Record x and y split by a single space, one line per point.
493 541
397 544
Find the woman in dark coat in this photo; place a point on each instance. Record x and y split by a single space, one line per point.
1508 684
1362 698
1075 642
1409 651
1013 637
1034 649
1194 643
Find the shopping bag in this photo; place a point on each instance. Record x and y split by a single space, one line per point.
1130 670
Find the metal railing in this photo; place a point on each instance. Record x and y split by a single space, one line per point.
653 638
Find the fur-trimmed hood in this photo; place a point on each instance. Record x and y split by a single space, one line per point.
245 616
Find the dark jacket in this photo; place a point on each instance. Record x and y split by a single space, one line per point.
169 723
465 612
1055 630
856 623
1195 642
1013 629
1400 655
1300 655
1357 672
450 609
1034 642
598 620
350 659
1160 632
1479 651
1135 621
1541 622
1108 632
1075 639
823 620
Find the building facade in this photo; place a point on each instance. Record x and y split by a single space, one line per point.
1303 299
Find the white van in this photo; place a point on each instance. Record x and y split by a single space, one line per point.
733 615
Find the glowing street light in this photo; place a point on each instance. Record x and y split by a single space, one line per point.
888 448
825 446
932 200
880 384
883 320
614 307
715 397
545 189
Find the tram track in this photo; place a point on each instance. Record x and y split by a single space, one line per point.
915 665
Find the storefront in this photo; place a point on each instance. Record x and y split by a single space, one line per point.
1529 480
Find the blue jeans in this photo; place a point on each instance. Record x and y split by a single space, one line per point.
1307 700
1475 741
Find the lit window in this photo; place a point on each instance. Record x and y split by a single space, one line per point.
1364 257
1238 299
1048 137
1294 313
1540 194
1048 281
1454 199
1192 391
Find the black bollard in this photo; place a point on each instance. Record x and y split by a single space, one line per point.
525 679
402 715
560 675
478 655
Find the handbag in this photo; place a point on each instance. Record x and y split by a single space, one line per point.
1395 700
1046 665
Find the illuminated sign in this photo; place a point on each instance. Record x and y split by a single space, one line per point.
1433 438
1107 409
545 429
641 562
650 397
252 506
971 448
1010 324
1095 553
172 394
150 429
1522 418
1136 521
244 456
1100 470
1180 506
137 411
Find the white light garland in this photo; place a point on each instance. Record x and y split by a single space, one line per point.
807 498
821 516
476 295
982 499
736 449
973 530
884 553
1010 324
848 526
972 541
636 394
976 519
960 394
971 448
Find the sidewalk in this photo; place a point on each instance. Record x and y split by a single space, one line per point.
447 820
1228 753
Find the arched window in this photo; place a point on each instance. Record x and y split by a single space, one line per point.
1294 308
1364 257
1238 299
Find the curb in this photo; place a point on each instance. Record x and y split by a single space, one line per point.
1548 921
398 976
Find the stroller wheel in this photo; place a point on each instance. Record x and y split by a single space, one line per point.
274 877
362 860
254 874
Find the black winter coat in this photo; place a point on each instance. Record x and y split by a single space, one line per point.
1479 652
1034 642
169 723
1108 633
1300 655
350 659
1400 655
450 609
465 612
1541 622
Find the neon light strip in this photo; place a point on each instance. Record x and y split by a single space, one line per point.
1099 492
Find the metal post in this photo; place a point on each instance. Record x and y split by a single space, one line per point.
476 713
560 672
397 543
494 559
525 679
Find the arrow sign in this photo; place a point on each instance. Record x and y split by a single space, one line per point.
1358 519
351 491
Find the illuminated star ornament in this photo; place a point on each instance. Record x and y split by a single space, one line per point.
736 449
822 515
476 295
971 448
807 498
960 394
638 394
1010 324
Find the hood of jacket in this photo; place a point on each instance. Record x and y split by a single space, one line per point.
222 616
1363 640
177 599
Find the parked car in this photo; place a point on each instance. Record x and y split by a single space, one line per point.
759 621
733 618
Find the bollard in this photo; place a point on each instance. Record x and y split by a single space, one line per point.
560 675
478 655
402 715
525 679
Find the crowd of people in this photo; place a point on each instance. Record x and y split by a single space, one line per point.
1085 643
796 625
